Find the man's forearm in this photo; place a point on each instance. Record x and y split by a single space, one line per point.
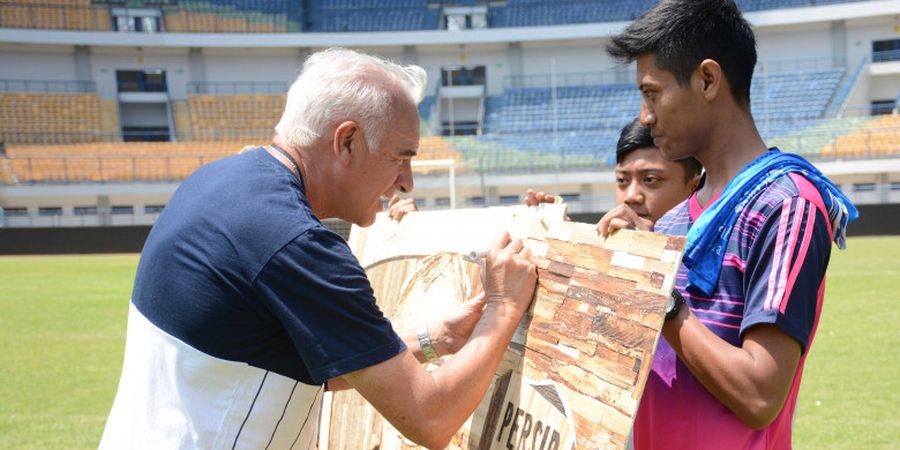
751 380
411 339
463 379
430 407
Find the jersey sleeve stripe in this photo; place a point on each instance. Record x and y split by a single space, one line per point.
720 324
801 257
788 252
776 258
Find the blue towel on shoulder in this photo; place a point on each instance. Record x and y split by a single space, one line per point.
708 237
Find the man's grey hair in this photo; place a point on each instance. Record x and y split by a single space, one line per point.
339 84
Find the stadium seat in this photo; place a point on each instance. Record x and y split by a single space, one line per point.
215 117
102 162
29 117
879 137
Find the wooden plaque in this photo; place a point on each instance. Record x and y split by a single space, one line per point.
573 375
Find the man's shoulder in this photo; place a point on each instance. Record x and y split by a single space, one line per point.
784 189
677 218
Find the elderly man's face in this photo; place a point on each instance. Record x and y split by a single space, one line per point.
381 173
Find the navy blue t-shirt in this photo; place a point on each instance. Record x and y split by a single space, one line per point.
238 267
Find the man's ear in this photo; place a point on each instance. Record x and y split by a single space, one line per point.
692 185
710 78
346 136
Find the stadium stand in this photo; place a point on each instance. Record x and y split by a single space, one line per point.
54 14
803 93
576 108
525 129
879 137
813 141
30 117
148 161
436 148
809 97
231 16
115 161
7 176
577 126
234 116
367 15
278 16
530 13
577 130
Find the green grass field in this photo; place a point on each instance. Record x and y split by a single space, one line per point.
62 331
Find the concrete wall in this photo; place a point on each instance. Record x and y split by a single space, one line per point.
37 63
252 64
874 220
106 61
36 241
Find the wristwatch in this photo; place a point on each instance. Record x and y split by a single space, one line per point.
674 304
425 343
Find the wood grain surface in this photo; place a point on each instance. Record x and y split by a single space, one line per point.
573 375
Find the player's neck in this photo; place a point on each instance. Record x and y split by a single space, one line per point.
730 150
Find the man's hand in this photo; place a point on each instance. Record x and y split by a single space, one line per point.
429 408
455 328
535 198
509 275
397 208
622 217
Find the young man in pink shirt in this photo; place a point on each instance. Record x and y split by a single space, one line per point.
749 293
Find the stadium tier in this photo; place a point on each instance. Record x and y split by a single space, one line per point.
277 16
436 148
7 176
576 127
879 137
229 16
29 117
529 13
55 15
524 130
101 162
360 15
129 111
234 116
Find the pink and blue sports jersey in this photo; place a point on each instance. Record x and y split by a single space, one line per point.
773 273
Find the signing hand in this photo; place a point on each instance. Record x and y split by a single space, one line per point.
454 329
509 276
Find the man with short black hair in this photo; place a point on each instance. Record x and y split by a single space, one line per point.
759 228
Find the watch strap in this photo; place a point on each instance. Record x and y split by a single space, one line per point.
425 343
674 304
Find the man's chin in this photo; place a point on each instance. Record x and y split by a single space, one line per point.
367 221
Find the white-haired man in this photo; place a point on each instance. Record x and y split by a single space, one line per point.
246 308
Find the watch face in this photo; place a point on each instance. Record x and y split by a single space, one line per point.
673 303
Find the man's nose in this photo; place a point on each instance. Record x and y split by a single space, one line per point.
405 179
648 118
633 193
